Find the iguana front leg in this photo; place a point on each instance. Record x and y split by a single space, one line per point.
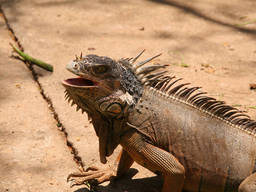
120 167
156 160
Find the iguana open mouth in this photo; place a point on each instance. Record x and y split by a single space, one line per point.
79 82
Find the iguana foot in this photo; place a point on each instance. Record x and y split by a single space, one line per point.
92 175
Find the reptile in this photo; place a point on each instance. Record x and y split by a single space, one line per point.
194 141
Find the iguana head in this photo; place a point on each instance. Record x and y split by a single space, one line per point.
95 71
97 77
105 88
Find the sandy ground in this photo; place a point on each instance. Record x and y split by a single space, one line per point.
208 43
32 151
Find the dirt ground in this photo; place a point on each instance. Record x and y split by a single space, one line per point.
209 43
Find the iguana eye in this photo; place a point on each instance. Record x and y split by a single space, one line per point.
99 69
75 66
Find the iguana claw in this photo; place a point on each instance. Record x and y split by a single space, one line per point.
92 175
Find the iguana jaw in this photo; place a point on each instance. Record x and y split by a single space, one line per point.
80 82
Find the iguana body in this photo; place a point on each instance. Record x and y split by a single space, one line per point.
197 143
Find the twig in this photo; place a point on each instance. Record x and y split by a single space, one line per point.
37 62
246 23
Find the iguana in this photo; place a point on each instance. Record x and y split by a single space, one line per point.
197 143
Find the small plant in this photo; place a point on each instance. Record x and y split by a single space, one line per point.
184 65
32 60
236 105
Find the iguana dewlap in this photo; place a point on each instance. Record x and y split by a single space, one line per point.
197 143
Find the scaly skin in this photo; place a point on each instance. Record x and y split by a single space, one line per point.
194 141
